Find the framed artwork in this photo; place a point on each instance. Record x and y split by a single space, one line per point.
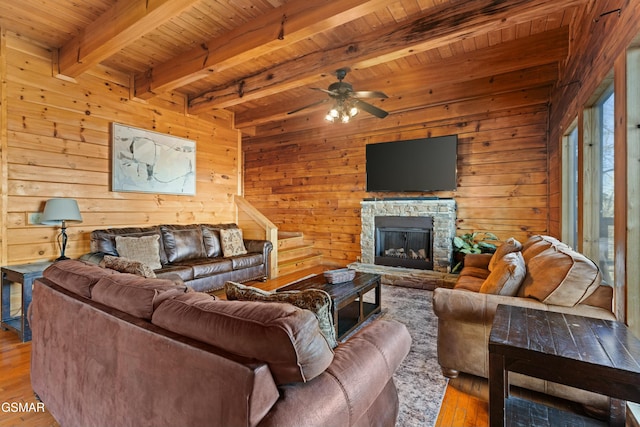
151 162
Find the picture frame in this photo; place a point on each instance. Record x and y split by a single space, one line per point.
152 162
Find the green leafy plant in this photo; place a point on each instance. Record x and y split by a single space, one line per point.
473 243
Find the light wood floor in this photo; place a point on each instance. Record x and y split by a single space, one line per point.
464 404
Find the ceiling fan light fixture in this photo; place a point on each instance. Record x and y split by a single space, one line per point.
341 112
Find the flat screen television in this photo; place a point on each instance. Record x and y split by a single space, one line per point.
427 164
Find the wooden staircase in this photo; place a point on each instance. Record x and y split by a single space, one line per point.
294 253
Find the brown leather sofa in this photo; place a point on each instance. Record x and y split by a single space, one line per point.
193 252
112 348
544 274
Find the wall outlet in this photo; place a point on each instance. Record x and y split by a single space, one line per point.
34 218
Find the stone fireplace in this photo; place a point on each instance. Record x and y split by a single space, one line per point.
413 240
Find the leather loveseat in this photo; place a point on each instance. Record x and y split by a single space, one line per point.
113 348
194 252
543 273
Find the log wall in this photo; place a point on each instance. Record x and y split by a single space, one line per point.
313 180
55 141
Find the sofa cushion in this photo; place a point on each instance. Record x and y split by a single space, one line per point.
470 283
105 240
211 240
209 266
539 243
508 246
506 277
560 276
133 294
76 276
182 242
231 242
315 300
185 272
283 336
144 249
126 265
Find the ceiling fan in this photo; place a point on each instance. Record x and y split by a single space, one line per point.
347 102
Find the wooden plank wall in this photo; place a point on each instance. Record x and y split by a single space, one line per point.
313 180
56 144
600 35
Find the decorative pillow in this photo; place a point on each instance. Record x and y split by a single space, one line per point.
539 243
315 300
232 243
510 245
560 276
506 277
125 265
145 249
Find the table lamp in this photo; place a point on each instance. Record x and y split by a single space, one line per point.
58 212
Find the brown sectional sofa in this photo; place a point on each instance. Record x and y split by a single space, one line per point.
112 348
543 273
193 252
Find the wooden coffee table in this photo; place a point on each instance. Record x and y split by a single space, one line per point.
349 307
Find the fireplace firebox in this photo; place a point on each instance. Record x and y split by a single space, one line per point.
402 241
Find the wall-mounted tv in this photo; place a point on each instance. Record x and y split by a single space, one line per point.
427 164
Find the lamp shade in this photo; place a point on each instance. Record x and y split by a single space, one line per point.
58 210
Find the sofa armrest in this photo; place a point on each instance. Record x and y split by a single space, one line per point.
263 246
474 307
361 370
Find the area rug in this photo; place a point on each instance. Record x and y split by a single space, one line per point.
419 380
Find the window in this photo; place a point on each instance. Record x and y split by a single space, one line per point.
606 188
570 188
598 188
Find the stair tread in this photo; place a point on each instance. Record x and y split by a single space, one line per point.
300 259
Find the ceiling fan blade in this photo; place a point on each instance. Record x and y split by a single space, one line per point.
308 106
371 109
330 92
368 94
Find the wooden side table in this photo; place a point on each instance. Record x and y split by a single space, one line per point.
601 356
25 274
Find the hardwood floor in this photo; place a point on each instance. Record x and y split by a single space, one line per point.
464 404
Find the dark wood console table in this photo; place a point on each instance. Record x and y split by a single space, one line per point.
598 355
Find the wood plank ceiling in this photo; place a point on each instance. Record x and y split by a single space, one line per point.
259 58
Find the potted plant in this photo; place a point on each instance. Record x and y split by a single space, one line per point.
476 242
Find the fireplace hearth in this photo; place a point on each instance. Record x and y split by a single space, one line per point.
402 241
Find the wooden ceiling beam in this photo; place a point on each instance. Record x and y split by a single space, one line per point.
119 26
535 63
279 28
438 26
492 79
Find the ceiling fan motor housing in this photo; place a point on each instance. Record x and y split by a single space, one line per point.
340 89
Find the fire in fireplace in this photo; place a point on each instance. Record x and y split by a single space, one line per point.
403 241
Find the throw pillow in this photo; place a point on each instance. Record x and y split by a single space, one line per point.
506 277
315 300
145 249
510 245
561 276
125 265
231 242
